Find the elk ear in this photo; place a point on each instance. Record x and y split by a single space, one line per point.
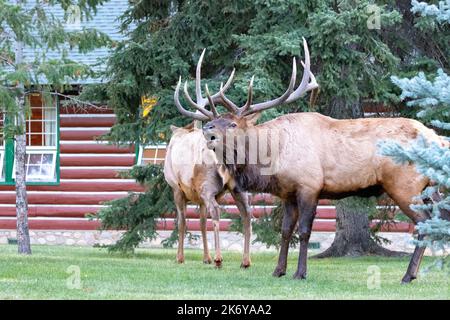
173 128
252 118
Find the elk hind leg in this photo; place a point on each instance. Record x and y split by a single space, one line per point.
180 203
403 196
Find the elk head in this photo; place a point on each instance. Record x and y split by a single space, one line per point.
239 119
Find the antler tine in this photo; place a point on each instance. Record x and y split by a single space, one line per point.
307 74
278 101
308 83
176 96
200 108
201 101
211 102
225 87
198 79
227 102
312 84
249 98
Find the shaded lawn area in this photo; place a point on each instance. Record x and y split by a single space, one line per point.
153 274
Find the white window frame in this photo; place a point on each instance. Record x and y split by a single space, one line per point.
2 158
35 150
2 147
141 159
2 143
29 121
41 149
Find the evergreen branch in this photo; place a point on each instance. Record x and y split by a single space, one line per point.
8 61
77 101
423 92
441 13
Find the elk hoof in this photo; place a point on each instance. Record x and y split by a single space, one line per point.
300 275
218 263
407 279
207 260
180 260
245 265
279 272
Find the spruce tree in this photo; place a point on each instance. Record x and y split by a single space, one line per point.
30 24
432 97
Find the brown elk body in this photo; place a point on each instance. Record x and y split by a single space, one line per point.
324 158
317 157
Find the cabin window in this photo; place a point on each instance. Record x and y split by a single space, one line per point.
154 154
40 166
42 124
42 138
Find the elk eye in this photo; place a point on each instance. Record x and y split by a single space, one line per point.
233 125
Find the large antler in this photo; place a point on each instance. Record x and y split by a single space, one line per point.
202 113
308 83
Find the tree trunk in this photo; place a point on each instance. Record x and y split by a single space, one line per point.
23 235
353 236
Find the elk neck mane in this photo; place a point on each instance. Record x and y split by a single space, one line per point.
247 176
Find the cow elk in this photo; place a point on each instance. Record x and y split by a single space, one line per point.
315 157
191 169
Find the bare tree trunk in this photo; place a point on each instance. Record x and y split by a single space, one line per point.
23 235
353 236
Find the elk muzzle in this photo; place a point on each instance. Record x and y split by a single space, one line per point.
211 135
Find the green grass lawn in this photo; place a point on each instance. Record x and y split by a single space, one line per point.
153 274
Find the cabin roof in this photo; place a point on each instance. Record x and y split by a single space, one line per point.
104 20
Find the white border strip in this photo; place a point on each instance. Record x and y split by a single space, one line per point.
74 193
97 155
88 115
56 206
106 129
94 168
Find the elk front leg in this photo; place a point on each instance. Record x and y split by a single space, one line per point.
290 217
241 199
307 206
180 203
203 216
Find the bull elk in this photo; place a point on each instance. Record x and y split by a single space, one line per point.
200 183
317 157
